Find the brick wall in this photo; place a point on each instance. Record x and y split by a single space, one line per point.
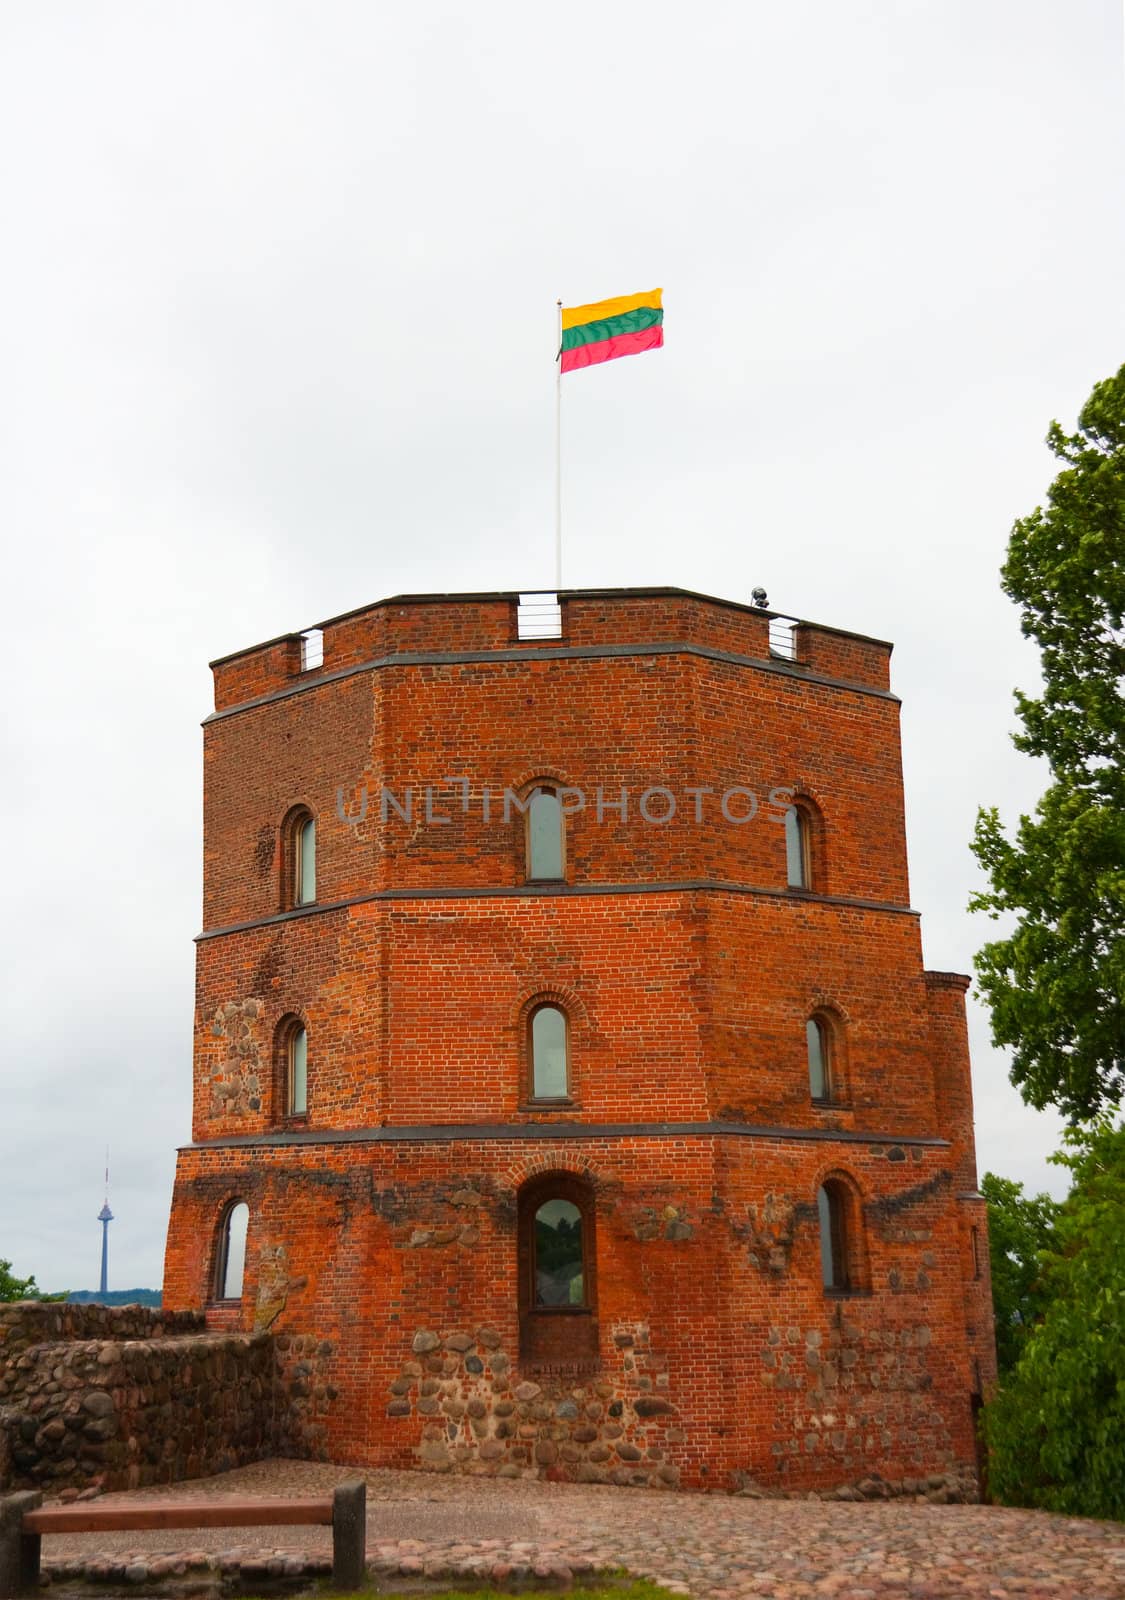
634 723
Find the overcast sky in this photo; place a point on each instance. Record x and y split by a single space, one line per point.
277 309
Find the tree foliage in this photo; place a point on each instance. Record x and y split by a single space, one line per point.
1020 1229
1056 1430
1056 985
13 1288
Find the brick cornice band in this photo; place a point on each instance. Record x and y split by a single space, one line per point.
560 891
589 652
470 1132
947 980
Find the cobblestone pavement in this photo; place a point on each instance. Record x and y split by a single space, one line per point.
719 1546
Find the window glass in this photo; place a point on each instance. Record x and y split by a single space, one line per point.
234 1250
559 1278
548 1054
824 1208
298 1073
796 849
831 1203
817 1038
544 835
306 863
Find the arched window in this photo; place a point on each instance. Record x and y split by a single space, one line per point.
548 1053
818 1038
545 850
841 1243
230 1265
798 863
557 1274
291 1068
298 859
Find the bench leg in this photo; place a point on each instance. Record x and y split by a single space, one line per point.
349 1535
19 1551
30 1547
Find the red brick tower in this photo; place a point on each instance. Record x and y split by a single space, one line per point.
565 1067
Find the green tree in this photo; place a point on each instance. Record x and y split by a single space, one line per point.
1056 985
12 1288
1020 1228
1056 1430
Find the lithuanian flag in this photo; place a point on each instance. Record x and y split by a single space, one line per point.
612 328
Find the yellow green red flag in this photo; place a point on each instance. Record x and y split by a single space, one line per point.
610 328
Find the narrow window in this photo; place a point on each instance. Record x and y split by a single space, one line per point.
820 1059
831 1205
232 1251
548 1054
290 1097
560 1278
298 1096
304 875
796 848
544 835
974 1240
297 853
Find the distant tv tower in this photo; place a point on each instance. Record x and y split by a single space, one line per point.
105 1217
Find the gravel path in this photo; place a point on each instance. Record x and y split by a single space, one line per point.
718 1546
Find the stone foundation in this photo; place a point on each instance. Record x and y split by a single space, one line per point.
303 1396
939 1489
480 1414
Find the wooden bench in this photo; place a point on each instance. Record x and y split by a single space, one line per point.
24 1520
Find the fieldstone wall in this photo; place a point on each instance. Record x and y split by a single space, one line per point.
478 1415
115 1414
115 1397
239 1066
304 1395
851 1397
29 1322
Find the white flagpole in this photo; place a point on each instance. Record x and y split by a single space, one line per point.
558 455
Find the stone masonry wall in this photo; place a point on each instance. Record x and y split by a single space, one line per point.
28 1322
96 1397
479 1415
121 1414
